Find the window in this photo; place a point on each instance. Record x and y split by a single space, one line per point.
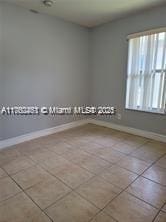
146 75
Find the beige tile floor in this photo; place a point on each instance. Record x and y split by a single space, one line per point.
87 174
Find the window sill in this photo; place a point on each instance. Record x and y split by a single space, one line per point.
146 111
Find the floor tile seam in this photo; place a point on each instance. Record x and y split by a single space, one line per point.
124 190
158 212
56 201
128 169
23 191
76 164
104 213
97 173
71 188
89 200
164 186
4 200
13 174
157 208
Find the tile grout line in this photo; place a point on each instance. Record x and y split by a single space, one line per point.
2 201
22 190
154 181
124 190
74 190
125 154
158 212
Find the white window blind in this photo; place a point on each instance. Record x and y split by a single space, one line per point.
146 75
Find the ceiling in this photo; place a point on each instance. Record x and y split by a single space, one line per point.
89 13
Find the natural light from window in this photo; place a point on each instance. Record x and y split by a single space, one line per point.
146 76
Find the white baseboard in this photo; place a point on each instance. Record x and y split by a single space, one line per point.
45 132
40 133
138 132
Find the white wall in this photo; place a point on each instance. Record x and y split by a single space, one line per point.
1 73
46 62
109 68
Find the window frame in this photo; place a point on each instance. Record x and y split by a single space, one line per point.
136 35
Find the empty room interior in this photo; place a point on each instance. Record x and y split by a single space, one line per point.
82 111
